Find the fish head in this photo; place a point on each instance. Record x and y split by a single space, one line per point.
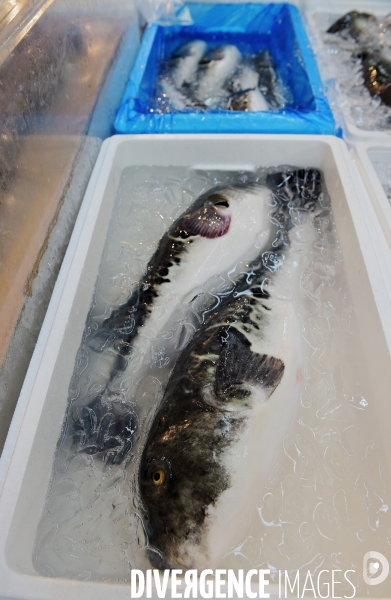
194 48
357 25
229 210
210 217
183 471
179 479
215 69
226 226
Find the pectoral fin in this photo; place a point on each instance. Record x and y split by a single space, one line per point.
239 370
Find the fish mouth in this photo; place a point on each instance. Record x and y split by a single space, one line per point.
208 222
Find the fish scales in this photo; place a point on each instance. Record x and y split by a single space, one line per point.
219 379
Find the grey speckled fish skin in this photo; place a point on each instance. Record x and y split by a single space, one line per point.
204 218
101 424
208 397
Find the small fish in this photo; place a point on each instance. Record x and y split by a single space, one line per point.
179 75
233 387
215 69
377 73
205 241
356 25
183 63
268 82
246 94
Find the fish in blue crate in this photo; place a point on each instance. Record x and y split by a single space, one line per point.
239 68
218 77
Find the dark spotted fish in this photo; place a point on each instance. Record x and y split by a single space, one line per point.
230 394
371 40
268 82
356 25
205 241
377 73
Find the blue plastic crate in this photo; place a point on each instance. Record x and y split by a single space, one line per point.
277 27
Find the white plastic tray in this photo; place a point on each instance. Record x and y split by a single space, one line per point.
380 8
26 463
368 153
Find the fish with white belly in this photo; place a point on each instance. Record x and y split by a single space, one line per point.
234 386
219 230
180 73
215 70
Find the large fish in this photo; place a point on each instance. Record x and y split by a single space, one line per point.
220 229
231 393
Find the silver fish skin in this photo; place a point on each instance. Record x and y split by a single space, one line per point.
205 241
233 385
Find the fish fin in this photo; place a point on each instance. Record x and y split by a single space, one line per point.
105 426
299 189
239 369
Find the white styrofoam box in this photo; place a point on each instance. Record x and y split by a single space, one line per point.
25 467
367 155
335 9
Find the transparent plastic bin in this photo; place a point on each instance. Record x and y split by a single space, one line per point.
26 463
369 155
351 132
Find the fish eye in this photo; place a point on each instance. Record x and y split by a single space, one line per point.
219 200
158 477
